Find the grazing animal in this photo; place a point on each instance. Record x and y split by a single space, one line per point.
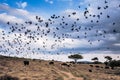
107 67
90 70
51 63
72 62
34 59
91 65
101 67
65 64
26 63
97 66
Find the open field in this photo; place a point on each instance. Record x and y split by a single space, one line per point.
43 70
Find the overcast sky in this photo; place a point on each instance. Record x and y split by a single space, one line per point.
88 27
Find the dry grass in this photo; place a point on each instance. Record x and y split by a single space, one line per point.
41 70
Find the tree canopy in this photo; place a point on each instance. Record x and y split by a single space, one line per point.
108 58
95 59
75 57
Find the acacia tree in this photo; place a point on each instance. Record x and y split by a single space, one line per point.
95 59
75 57
108 58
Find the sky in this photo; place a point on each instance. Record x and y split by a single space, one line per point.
88 27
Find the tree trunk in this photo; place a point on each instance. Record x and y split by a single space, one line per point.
75 60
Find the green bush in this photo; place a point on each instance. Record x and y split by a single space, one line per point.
114 63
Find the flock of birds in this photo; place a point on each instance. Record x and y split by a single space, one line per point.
23 37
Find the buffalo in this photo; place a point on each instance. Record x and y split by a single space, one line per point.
26 63
90 70
65 64
51 63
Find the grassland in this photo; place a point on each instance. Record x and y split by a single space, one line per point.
41 70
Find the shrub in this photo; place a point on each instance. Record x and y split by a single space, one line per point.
114 63
7 77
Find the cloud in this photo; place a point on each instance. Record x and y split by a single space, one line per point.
103 40
4 18
13 11
21 4
86 37
13 17
18 13
49 1
5 3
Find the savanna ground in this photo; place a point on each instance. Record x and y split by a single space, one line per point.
42 70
